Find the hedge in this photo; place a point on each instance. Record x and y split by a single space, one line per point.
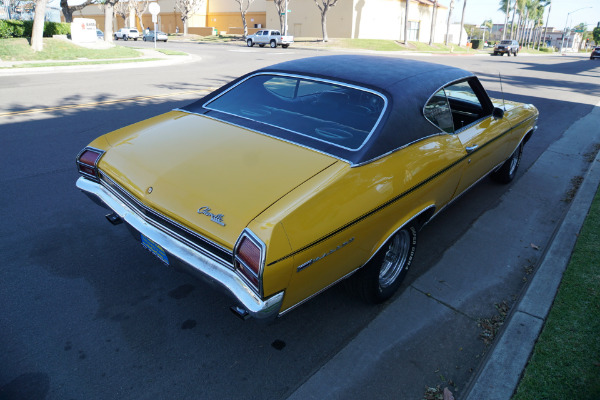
15 29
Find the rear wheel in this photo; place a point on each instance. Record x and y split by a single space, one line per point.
508 170
273 44
381 277
285 46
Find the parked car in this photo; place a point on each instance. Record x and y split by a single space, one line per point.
507 47
299 175
127 33
160 36
595 53
99 34
271 37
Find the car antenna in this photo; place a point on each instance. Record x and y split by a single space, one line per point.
502 90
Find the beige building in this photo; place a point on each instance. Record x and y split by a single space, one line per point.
360 19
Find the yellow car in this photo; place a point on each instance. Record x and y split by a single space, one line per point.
297 176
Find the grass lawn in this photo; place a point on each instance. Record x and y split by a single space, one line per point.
565 363
56 49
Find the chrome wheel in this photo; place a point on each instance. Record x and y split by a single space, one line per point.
395 258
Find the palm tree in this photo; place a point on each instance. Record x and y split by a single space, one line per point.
546 3
462 23
450 7
433 17
406 23
504 7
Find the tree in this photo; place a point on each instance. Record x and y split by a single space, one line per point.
448 23
324 6
68 10
462 23
407 2
37 32
139 7
108 7
433 18
504 7
281 5
244 5
121 9
596 35
488 24
187 8
546 3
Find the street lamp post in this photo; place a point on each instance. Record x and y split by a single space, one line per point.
562 46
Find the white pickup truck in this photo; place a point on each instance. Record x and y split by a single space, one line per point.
271 37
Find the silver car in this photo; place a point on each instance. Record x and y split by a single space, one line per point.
149 36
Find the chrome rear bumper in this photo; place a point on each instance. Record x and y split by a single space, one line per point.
183 256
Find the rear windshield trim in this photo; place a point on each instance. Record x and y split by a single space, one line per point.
311 78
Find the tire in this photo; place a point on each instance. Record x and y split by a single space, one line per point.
285 46
261 45
135 39
116 37
125 38
144 38
495 53
249 43
381 277
515 53
273 44
507 171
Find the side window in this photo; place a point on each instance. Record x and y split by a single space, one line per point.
437 111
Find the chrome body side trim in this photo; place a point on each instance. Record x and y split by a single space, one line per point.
182 255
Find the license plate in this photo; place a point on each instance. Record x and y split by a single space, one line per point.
155 249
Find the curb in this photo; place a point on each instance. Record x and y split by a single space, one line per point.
501 371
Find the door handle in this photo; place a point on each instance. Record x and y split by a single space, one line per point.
471 149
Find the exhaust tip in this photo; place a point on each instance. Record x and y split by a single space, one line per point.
114 218
240 312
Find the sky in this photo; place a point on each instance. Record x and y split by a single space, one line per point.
480 10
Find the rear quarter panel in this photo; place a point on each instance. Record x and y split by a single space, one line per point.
337 221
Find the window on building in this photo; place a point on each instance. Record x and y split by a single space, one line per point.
413 31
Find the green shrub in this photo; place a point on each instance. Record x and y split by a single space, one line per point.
547 49
13 28
475 43
56 28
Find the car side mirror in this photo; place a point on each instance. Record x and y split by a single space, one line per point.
498 113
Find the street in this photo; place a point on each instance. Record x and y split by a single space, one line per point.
87 313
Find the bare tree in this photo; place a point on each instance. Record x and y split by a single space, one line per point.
139 7
433 18
37 33
324 6
280 5
121 9
244 5
462 23
108 7
68 10
187 9
450 8
406 22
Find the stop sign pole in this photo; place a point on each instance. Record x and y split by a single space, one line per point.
154 10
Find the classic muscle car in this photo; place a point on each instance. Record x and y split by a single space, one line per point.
297 176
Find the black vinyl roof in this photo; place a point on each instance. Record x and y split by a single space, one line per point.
407 84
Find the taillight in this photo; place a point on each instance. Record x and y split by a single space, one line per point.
249 256
87 162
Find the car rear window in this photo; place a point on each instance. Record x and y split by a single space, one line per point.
335 113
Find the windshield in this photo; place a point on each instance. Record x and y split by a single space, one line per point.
338 114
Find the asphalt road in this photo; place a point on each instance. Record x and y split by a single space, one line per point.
87 313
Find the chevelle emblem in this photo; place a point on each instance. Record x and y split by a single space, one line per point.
217 218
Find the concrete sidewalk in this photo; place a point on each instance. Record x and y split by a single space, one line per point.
374 364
